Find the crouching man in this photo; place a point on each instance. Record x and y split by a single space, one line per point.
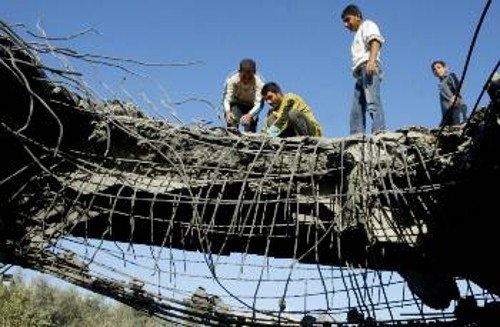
242 102
289 115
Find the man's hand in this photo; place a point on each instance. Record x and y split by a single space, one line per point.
229 117
246 119
371 68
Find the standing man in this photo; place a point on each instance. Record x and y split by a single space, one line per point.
453 109
366 69
289 114
242 97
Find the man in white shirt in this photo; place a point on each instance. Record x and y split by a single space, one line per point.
366 69
242 97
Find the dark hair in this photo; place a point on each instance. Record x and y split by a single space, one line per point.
435 62
248 64
270 87
351 10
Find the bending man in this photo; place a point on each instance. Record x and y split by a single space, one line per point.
242 97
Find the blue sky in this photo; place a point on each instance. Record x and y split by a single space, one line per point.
301 45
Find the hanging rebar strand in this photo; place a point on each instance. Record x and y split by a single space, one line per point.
216 181
256 200
34 96
272 223
237 210
286 209
242 222
38 235
387 217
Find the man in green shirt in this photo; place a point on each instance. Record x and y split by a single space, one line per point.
289 114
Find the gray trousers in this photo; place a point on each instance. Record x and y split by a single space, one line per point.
297 124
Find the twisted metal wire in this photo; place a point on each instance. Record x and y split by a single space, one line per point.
204 189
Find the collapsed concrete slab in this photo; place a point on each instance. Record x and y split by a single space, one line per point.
415 200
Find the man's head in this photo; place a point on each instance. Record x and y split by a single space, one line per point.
439 69
352 17
272 95
247 70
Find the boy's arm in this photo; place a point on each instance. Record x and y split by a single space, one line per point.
374 40
254 112
371 65
227 98
228 95
258 103
455 98
454 83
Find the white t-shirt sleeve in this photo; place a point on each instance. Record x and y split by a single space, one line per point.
371 32
229 92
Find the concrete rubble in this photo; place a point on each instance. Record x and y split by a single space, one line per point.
414 200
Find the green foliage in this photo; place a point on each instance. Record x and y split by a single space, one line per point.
37 303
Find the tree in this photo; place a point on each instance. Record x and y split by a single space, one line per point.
40 304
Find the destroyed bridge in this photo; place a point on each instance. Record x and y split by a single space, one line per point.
82 178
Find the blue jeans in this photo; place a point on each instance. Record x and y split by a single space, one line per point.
367 99
454 116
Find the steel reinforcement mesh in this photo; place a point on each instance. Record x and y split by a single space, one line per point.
201 225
